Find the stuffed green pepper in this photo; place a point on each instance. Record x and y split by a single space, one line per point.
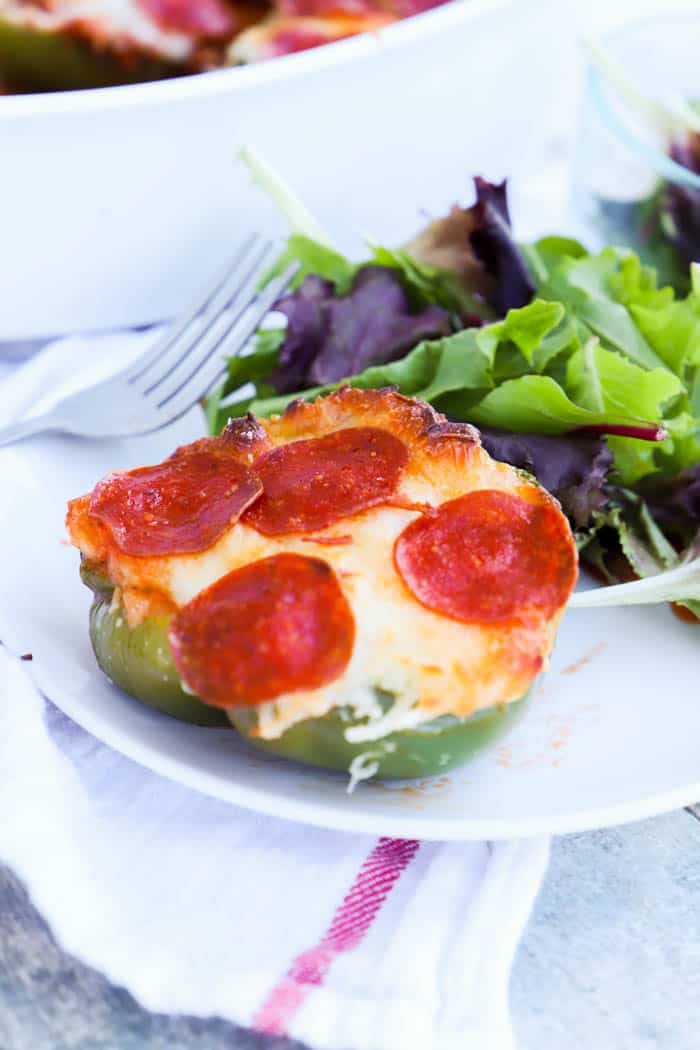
354 585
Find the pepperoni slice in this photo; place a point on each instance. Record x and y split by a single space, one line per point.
177 507
271 627
487 557
311 484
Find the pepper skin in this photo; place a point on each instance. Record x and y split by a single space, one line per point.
423 752
33 59
139 660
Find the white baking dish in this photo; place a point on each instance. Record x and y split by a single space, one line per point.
117 202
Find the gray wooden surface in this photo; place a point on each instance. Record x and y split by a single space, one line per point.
611 957
609 961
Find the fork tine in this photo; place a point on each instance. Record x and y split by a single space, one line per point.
201 307
202 377
175 330
245 300
240 287
207 378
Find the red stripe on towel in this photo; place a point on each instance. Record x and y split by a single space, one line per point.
352 920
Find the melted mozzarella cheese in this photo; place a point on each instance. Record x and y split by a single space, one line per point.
432 664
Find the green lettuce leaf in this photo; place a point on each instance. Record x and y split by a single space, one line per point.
603 381
538 404
615 298
253 367
431 284
314 257
680 583
525 329
546 254
298 216
452 373
463 375
585 285
431 371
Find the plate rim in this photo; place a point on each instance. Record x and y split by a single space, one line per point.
301 811
324 810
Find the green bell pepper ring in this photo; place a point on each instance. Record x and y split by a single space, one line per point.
435 747
139 660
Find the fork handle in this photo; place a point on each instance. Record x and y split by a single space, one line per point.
26 427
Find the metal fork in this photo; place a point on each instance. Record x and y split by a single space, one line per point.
181 368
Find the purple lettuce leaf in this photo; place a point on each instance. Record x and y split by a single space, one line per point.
331 336
681 202
305 310
573 467
675 504
493 244
477 245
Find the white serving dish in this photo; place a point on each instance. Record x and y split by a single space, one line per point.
117 202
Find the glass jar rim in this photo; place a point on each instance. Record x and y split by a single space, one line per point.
600 94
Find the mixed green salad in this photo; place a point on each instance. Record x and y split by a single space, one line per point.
576 367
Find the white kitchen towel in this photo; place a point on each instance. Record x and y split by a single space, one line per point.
342 941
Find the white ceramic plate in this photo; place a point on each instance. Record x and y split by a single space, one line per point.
611 735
